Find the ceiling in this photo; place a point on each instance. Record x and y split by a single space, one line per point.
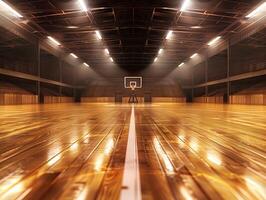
133 30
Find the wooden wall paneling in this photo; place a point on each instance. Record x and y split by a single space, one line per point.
168 99
97 99
253 99
212 99
57 99
16 99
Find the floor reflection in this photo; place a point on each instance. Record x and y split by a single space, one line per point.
214 157
54 154
162 154
108 149
258 189
12 185
193 144
186 193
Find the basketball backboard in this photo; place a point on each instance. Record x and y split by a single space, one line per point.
133 82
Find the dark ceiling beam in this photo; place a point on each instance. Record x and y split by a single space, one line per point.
160 28
77 13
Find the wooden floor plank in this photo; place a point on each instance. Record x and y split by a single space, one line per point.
218 165
185 151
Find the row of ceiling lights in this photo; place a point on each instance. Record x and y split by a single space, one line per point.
260 9
168 37
56 42
212 42
83 7
99 36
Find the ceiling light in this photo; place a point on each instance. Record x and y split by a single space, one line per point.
185 5
196 27
86 64
54 40
82 5
259 9
73 55
181 64
169 34
10 9
155 59
111 59
107 51
214 40
72 27
98 34
160 51
194 55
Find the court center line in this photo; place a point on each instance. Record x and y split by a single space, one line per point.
131 189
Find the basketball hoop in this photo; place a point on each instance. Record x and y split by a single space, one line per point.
133 83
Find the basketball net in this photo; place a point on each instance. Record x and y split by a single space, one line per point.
133 87
133 98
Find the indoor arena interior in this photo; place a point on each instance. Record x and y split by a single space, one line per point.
132 99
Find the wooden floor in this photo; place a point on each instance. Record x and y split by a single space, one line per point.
185 151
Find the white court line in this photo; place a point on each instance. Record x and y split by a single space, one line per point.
131 189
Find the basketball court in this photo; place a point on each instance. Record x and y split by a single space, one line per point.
158 151
132 100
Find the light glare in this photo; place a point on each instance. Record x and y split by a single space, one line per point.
214 158
82 5
185 5
196 27
86 64
181 64
259 9
155 59
160 51
73 55
9 8
54 40
186 193
98 35
169 35
166 160
99 162
109 146
107 51
111 59
194 55
214 40
72 27
256 187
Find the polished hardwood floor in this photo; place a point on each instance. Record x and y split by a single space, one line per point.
185 151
